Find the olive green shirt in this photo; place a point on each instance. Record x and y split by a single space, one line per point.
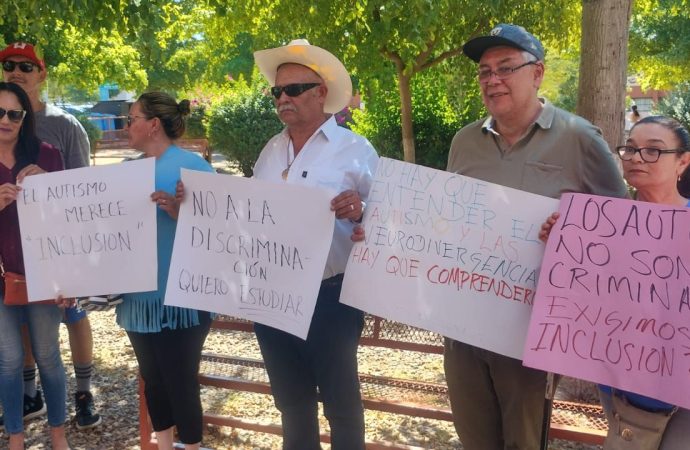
560 153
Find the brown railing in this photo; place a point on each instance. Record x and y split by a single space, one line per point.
569 420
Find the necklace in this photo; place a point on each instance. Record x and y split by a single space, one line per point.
287 160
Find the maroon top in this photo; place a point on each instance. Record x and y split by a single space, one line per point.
49 159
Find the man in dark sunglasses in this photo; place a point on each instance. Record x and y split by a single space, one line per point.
22 64
309 85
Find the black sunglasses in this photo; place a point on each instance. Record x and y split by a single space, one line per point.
292 90
24 66
15 115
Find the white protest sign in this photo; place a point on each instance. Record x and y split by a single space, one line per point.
450 254
250 249
89 231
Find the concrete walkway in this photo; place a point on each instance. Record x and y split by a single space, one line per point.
112 156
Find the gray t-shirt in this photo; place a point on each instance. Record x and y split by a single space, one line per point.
62 130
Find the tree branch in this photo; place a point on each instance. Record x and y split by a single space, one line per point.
439 59
425 54
393 56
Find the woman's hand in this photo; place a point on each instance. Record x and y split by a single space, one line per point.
546 227
167 203
8 194
179 191
63 302
31 169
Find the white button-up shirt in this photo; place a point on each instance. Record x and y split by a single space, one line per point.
333 158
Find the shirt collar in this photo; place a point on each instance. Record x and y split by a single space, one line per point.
544 120
328 129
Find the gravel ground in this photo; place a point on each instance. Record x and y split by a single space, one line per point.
115 390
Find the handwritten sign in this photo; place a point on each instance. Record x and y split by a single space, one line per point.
450 254
613 303
89 231
251 249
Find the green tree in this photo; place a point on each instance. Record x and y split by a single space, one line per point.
660 42
603 66
677 104
401 38
241 124
436 119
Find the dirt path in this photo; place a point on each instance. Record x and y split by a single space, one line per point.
115 390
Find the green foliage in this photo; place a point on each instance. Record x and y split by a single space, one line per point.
196 122
86 61
560 79
567 94
399 38
92 131
240 125
677 104
660 42
436 119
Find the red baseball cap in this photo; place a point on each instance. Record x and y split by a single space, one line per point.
22 49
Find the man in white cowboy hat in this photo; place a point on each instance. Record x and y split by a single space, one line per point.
528 144
310 85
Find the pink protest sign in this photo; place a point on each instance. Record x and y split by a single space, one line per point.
613 298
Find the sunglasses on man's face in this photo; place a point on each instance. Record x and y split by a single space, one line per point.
292 90
24 66
15 115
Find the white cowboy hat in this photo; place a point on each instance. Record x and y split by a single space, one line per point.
317 59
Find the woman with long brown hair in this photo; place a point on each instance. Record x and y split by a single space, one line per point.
22 154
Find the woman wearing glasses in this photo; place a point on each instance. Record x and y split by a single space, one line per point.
655 158
21 155
167 340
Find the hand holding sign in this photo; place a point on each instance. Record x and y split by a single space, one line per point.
8 194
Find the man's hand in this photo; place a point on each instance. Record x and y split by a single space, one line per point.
357 233
348 205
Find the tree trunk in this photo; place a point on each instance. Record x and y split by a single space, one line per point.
406 117
603 66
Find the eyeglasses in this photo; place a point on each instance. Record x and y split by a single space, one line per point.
131 119
650 155
15 115
501 73
292 90
24 66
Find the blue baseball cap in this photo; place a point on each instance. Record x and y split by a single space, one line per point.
504 34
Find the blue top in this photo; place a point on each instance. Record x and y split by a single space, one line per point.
144 312
640 401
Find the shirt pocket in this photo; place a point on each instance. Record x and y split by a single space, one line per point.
542 178
328 179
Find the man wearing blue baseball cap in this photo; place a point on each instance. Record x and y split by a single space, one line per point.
526 143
